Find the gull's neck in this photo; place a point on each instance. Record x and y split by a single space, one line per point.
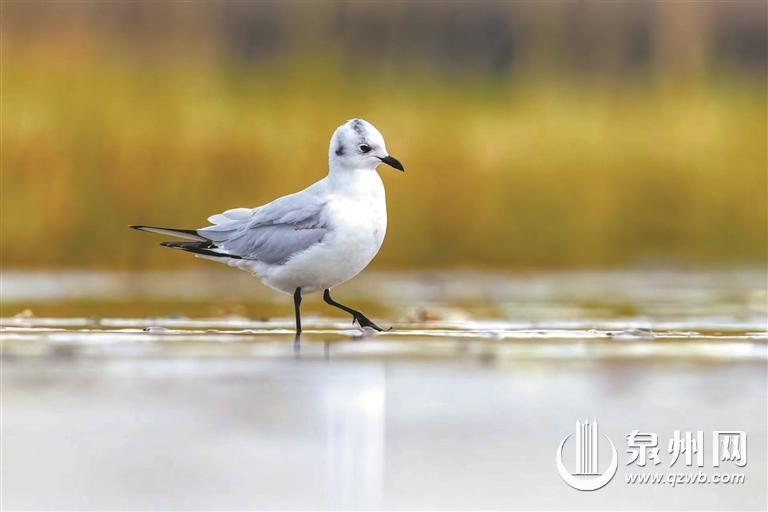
353 180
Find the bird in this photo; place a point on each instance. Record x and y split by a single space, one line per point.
309 241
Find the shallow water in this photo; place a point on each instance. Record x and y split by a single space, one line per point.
461 405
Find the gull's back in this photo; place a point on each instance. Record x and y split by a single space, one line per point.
274 232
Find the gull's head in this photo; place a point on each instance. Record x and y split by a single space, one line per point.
358 145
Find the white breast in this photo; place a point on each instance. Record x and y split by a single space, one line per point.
356 216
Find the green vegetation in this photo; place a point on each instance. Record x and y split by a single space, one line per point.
540 171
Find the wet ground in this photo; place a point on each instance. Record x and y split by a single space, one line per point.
187 390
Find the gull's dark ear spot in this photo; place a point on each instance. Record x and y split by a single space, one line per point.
339 150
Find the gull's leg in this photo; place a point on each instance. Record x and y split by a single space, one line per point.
297 309
356 315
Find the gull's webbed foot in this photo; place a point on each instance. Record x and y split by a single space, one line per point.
364 321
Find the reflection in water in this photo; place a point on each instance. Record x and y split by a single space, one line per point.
297 348
355 439
454 409
394 430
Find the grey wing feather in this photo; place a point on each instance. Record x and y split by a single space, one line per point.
271 233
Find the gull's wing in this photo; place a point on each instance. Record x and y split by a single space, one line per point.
271 233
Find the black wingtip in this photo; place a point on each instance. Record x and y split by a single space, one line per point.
189 234
199 248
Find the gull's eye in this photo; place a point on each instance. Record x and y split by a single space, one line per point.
364 148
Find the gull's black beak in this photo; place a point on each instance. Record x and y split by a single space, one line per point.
392 161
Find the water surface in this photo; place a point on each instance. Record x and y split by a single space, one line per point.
461 405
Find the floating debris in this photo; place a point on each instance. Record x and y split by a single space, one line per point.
633 333
155 329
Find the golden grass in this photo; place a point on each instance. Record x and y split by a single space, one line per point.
538 172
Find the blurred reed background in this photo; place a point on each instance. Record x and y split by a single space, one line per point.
535 134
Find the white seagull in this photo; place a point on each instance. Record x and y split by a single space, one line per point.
312 240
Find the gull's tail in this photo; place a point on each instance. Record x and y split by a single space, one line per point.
200 246
206 248
187 234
